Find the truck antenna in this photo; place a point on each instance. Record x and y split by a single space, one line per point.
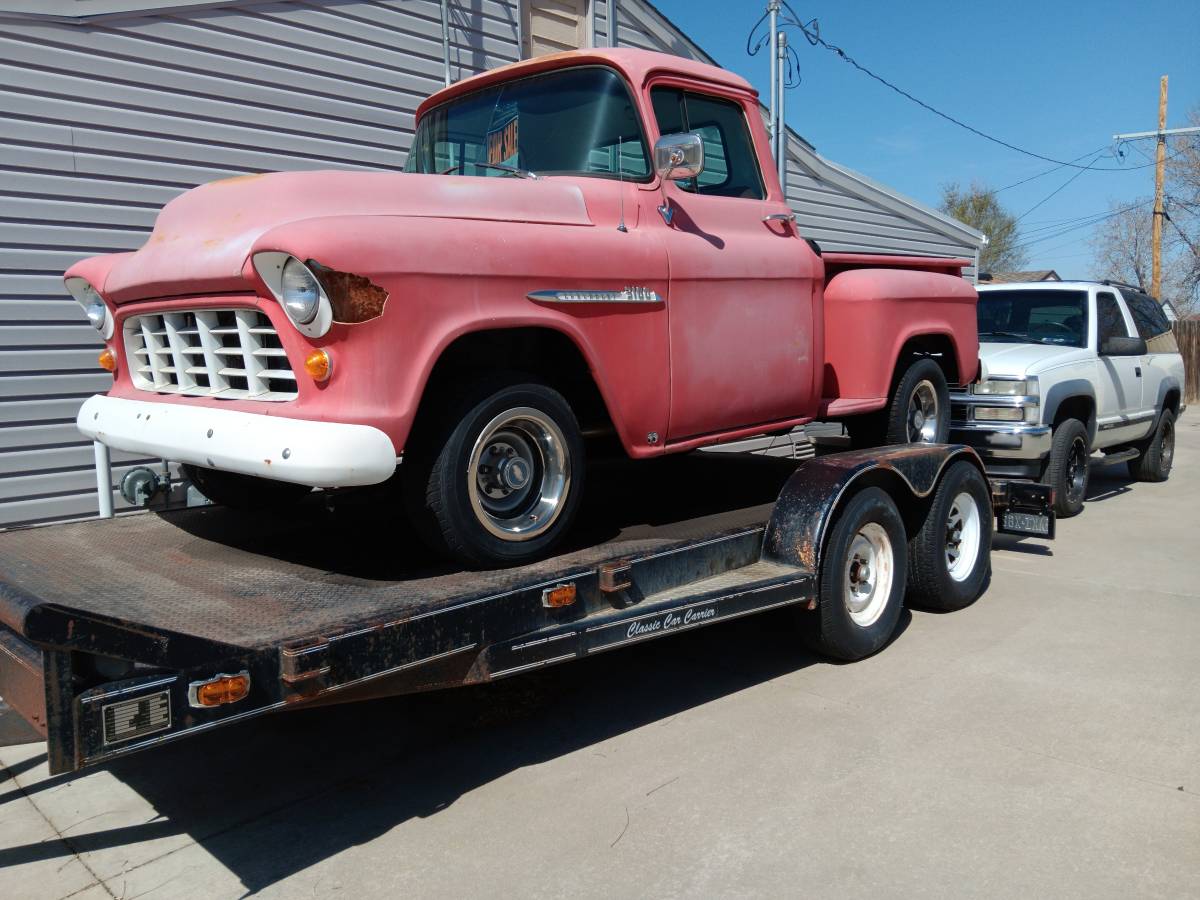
621 179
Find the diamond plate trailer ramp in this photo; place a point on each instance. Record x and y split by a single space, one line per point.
110 628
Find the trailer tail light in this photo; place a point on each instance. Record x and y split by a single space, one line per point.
219 690
108 360
318 365
559 595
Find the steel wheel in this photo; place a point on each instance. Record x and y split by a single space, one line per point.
962 536
870 568
519 474
922 415
1077 471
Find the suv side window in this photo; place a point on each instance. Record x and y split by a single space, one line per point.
730 166
1109 321
1148 317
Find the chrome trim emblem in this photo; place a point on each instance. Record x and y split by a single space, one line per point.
631 294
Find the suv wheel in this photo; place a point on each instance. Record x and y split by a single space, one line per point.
497 479
1157 452
1067 468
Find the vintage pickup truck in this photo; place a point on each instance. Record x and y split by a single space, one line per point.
588 243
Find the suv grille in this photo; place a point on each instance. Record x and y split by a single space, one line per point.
233 354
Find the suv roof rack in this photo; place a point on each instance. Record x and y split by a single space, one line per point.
1122 284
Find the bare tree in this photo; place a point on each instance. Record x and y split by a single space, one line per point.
978 207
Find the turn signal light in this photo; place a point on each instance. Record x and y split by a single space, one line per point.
108 360
319 365
219 690
560 595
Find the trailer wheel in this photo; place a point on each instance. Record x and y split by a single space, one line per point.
246 492
949 558
1157 452
496 480
862 579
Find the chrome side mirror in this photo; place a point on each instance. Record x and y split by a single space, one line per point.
679 156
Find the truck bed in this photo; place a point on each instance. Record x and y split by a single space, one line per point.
258 581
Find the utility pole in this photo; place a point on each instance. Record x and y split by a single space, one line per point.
1160 159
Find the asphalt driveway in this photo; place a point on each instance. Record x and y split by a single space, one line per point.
1044 742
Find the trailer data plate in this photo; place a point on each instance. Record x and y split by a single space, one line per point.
134 718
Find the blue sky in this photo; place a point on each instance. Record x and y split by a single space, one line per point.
1059 78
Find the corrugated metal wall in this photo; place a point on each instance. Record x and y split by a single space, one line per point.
102 121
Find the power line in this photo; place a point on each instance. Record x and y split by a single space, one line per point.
1056 190
1049 171
1095 220
812 32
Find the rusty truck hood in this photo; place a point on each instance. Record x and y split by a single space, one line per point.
202 239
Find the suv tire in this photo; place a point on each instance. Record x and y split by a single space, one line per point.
1157 453
1067 467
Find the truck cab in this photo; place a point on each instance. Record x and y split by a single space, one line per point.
1072 368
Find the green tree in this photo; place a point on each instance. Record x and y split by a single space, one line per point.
978 207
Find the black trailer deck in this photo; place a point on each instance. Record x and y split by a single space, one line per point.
108 626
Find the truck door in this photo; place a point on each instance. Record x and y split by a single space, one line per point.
740 311
1118 378
1161 361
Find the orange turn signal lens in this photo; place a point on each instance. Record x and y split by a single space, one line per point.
108 360
219 690
559 595
319 365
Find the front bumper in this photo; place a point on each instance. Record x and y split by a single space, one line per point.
319 454
1016 450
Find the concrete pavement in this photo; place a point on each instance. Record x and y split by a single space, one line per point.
1044 742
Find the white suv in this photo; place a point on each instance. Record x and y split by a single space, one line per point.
1068 368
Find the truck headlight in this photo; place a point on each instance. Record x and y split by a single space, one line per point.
299 292
93 305
1004 387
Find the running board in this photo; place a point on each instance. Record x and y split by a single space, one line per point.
759 586
1111 459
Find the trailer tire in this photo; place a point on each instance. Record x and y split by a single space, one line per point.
1157 453
244 492
862 575
496 478
1067 467
949 558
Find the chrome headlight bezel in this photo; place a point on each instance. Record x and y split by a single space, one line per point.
98 314
270 266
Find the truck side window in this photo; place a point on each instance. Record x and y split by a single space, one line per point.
1148 317
1109 321
730 166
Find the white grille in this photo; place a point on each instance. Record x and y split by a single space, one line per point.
233 354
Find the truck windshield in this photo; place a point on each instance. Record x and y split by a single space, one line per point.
1033 317
578 121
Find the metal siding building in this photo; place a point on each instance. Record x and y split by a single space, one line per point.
109 108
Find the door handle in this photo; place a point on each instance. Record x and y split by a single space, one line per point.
780 217
1137 370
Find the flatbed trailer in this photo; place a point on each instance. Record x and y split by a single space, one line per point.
110 630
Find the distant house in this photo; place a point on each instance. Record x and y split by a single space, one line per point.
1009 277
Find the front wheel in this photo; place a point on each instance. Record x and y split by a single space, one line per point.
497 479
948 559
862 579
918 413
1067 468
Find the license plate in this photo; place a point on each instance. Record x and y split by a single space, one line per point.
1037 524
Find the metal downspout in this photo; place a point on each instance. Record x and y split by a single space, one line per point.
446 41
612 23
781 127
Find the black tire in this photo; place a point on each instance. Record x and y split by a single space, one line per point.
833 629
1157 453
245 492
948 566
497 524
921 389
1067 467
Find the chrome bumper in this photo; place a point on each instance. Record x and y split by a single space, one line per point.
997 440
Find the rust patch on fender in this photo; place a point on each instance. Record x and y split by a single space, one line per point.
354 298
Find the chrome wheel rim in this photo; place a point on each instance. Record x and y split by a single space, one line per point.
519 474
1166 454
963 531
922 420
869 574
1077 471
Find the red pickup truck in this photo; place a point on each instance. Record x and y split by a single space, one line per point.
584 243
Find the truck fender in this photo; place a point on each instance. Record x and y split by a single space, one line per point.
812 496
1062 391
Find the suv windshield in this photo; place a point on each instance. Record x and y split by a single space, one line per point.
577 121
1033 317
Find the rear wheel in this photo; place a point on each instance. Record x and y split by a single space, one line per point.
919 411
1067 468
1157 452
862 579
948 559
496 480
247 492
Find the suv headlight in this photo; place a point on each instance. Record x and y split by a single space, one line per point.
1004 387
93 305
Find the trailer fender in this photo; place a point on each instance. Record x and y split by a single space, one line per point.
812 496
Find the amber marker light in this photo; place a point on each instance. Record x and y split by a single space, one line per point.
219 690
108 360
560 595
319 365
